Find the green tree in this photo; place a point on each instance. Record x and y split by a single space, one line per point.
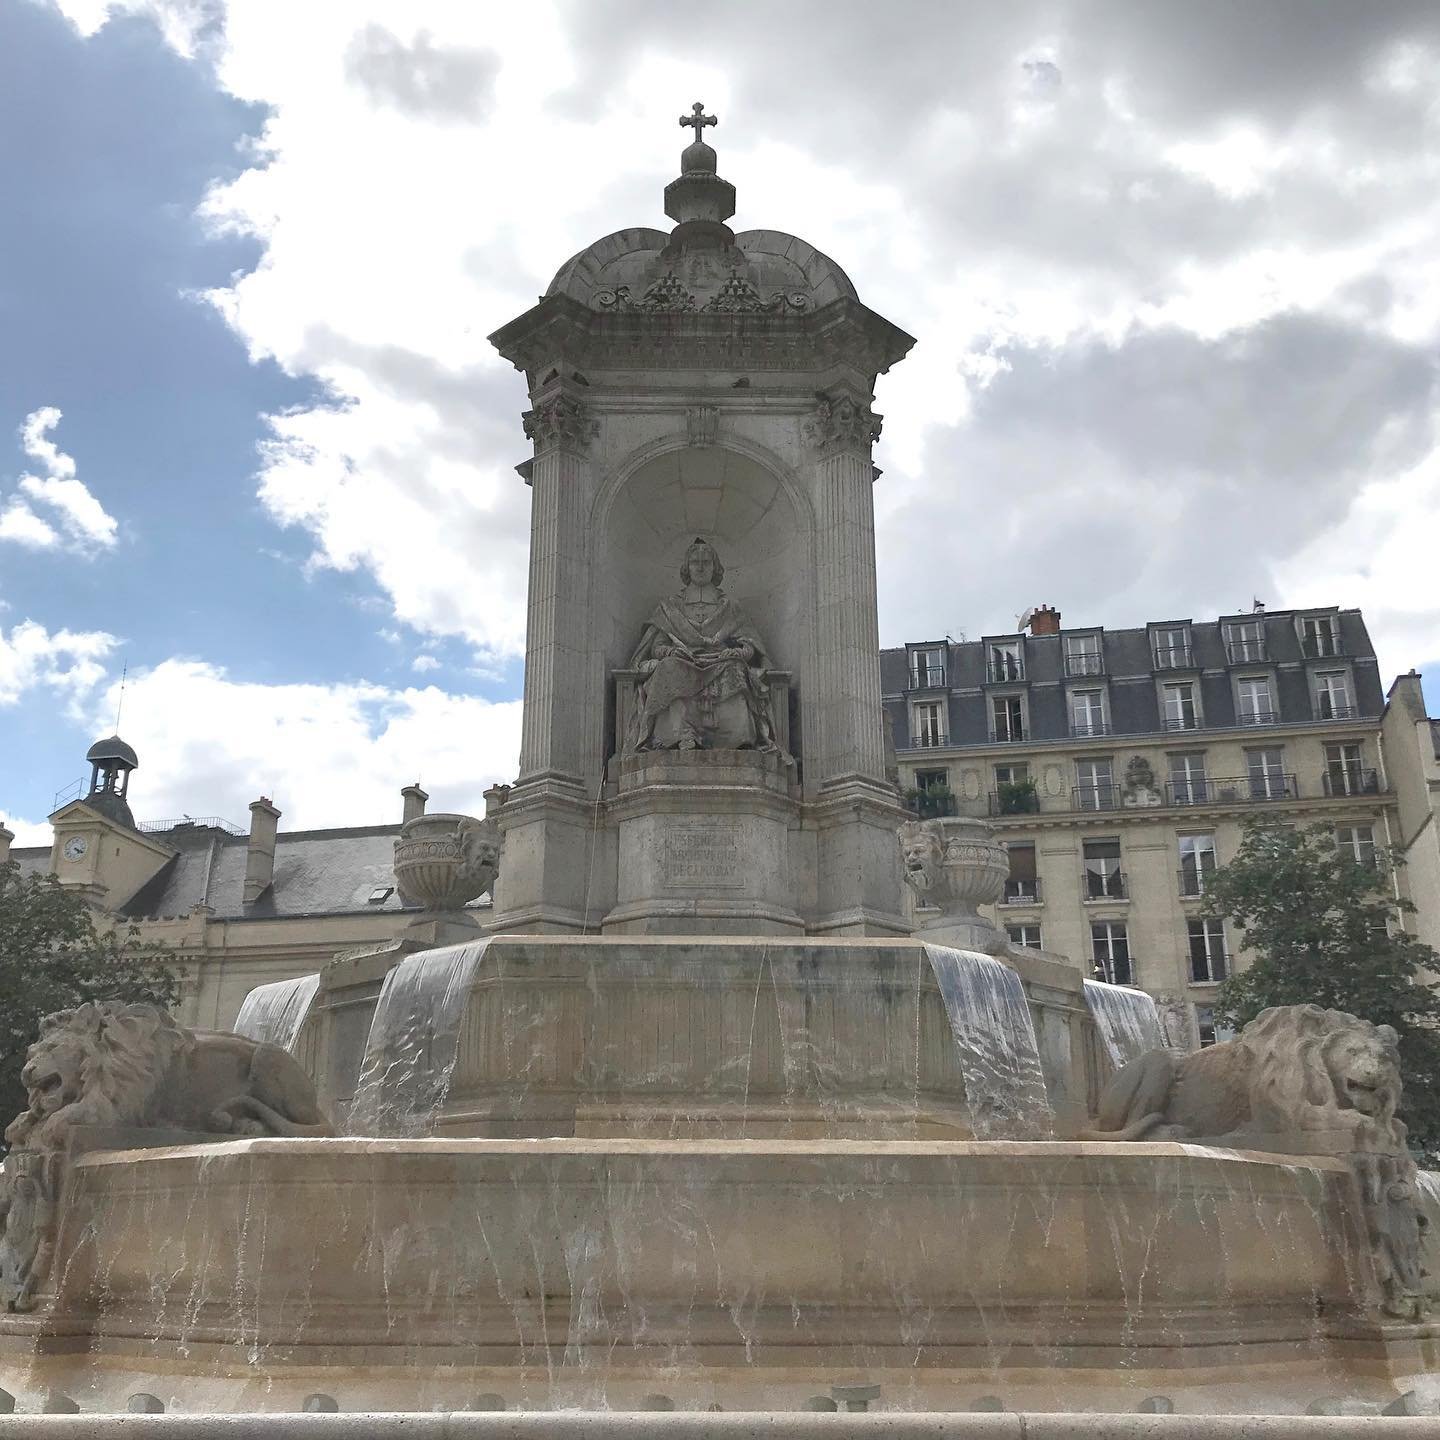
1323 929
54 956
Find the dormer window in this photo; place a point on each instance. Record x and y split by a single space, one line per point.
1320 636
1006 660
927 667
1245 641
1172 647
1083 655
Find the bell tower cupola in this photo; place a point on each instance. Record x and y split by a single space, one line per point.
111 763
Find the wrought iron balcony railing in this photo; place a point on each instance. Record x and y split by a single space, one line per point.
929 740
1098 795
1082 729
1022 892
1245 652
1257 717
930 804
1009 734
927 677
1014 800
1322 647
1084 664
1002 672
1180 722
1326 709
1172 657
1193 879
1348 781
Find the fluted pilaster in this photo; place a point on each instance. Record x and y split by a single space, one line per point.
845 713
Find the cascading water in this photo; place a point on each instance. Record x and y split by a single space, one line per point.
1128 1022
995 1039
414 1039
275 1013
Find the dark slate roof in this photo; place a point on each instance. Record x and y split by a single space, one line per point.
317 872
112 747
33 859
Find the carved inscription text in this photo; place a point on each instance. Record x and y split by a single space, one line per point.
702 854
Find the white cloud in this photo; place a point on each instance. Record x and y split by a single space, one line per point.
422 664
81 516
26 832
326 754
1068 184
68 662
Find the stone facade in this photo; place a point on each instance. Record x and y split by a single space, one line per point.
1410 742
1114 804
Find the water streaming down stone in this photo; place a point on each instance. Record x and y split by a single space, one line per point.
414 1037
1127 1020
275 1013
995 1038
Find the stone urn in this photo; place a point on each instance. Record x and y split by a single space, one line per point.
442 862
953 865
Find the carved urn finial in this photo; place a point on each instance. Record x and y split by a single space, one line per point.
442 862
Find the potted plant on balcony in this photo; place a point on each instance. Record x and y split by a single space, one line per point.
1018 797
930 802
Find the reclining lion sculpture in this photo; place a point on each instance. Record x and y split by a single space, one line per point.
108 1063
1293 1068
117 1067
1297 1078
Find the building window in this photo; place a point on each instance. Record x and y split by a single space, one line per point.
1345 772
1015 792
927 718
1172 647
1357 842
927 667
1007 660
1007 717
1087 713
1187 779
1026 935
1208 961
1210 1032
380 894
1022 887
1094 785
1332 695
1197 861
1320 636
1110 950
1254 704
1265 773
1103 877
1083 655
1178 708
1245 641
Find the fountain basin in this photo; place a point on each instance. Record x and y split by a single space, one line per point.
573 1264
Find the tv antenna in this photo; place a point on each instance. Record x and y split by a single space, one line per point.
120 702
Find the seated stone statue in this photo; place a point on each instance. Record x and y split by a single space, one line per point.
703 664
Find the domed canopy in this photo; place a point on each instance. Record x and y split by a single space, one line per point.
701 265
113 749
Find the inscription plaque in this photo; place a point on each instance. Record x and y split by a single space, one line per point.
702 854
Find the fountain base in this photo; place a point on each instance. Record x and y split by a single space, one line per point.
747 1273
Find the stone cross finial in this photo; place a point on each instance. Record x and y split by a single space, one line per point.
698 119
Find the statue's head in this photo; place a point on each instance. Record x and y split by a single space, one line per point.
701 565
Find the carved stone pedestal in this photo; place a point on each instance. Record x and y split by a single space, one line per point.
704 844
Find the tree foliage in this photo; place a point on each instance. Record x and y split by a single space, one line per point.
54 956
1323 929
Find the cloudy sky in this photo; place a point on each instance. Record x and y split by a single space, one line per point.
1173 268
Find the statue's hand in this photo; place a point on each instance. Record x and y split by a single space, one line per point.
660 652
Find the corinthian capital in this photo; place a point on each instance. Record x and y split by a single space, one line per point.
560 420
842 422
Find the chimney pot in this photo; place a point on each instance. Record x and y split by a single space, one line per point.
413 798
260 852
1045 620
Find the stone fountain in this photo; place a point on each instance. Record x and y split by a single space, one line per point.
705 1113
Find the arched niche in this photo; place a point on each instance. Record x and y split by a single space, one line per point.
744 508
